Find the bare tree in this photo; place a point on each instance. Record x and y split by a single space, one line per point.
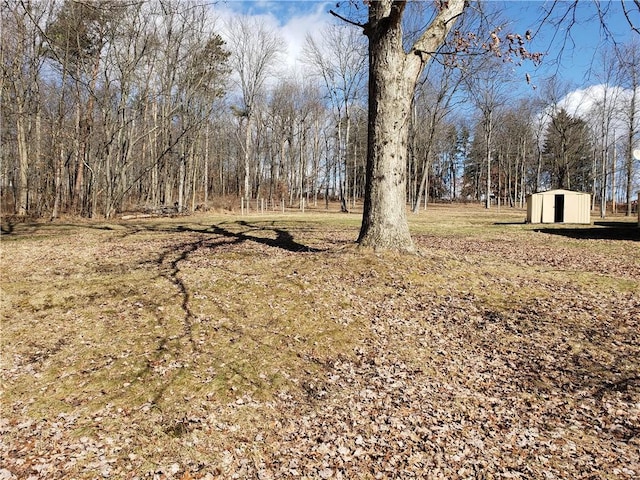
77 37
602 121
254 50
393 76
629 69
434 100
515 143
396 62
119 126
339 60
487 87
21 52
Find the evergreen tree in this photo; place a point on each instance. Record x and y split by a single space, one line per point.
567 151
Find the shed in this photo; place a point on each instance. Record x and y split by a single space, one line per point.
559 206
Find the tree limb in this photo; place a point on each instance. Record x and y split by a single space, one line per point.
397 9
436 32
628 16
344 19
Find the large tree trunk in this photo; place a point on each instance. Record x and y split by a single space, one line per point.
384 224
393 75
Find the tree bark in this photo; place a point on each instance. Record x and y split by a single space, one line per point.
384 223
630 140
488 132
426 165
23 157
247 159
393 75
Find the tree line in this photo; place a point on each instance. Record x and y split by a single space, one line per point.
156 106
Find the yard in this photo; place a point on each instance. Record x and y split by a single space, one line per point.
269 346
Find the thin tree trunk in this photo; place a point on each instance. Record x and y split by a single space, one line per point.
423 187
629 159
522 176
205 180
247 158
182 176
342 163
488 158
499 183
424 181
79 199
316 161
22 206
194 183
613 175
603 186
539 170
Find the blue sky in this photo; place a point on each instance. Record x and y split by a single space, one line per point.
573 56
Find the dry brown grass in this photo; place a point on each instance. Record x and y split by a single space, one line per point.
268 346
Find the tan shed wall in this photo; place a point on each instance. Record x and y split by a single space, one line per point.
548 208
541 207
577 208
534 209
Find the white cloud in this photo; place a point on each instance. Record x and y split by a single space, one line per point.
293 21
296 30
587 104
584 102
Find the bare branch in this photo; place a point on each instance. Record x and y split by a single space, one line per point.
344 19
435 34
627 14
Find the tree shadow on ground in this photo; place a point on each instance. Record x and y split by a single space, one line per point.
169 264
284 239
25 228
599 231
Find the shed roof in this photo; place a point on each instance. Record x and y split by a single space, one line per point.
559 191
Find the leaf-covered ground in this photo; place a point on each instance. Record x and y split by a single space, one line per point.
270 347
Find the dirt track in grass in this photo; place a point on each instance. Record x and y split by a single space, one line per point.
269 347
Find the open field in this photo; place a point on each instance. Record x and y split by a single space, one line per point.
268 346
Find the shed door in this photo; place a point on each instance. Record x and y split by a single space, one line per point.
558 216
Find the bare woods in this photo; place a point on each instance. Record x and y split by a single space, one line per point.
158 106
